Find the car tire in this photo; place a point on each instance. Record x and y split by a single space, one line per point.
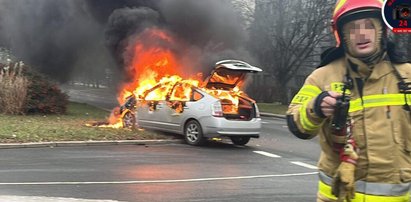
129 120
240 140
193 134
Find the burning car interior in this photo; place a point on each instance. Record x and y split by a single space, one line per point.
243 111
235 104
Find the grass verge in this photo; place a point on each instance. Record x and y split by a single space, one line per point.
69 127
272 108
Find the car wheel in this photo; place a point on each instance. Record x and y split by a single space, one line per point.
129 121
193 133
240 140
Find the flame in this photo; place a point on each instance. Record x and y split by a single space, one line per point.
229 99
155 64
152 60
114 120
231 79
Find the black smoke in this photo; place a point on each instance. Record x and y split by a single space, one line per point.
52 36
126 22
58 37
210 30
203 22
102 9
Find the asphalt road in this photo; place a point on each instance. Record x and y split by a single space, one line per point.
175 172
275 167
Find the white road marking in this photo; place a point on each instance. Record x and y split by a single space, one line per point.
304 165
160 181
267 154
46 199
264 122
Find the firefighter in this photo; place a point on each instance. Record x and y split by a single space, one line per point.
369 157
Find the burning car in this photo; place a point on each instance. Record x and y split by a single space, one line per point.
214 109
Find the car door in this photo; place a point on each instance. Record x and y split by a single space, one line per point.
152 109
176 105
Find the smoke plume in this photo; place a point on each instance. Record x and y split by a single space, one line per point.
58 37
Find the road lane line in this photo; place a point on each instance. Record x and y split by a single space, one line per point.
264 122
47 199
161 181
267 154
306 165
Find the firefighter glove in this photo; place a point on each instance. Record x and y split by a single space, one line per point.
343 182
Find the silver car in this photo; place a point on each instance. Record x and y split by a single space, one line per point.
204 114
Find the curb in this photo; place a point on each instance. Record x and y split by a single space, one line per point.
86 143
273 115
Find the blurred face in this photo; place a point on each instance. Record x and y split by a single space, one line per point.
362 37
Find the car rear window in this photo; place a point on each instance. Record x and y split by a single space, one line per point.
197 96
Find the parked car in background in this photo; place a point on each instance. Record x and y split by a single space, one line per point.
215 109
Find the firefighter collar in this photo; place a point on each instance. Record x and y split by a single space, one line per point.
358 68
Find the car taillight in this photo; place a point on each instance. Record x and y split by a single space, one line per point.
257 111
217 109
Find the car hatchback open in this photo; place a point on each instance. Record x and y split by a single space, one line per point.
215 109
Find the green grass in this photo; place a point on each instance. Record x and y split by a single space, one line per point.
272 108
69 127
72 126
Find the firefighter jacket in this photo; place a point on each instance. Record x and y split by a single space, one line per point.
381 124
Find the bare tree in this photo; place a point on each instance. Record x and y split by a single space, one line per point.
284 36
402 44
246 11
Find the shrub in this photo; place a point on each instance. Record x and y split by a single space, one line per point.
23 90
45 97
13 89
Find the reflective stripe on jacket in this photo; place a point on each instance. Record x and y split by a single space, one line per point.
394 192
381 125
325 191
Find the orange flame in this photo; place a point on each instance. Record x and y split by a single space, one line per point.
155 63
153 59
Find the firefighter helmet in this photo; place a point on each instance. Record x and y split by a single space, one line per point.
347 10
